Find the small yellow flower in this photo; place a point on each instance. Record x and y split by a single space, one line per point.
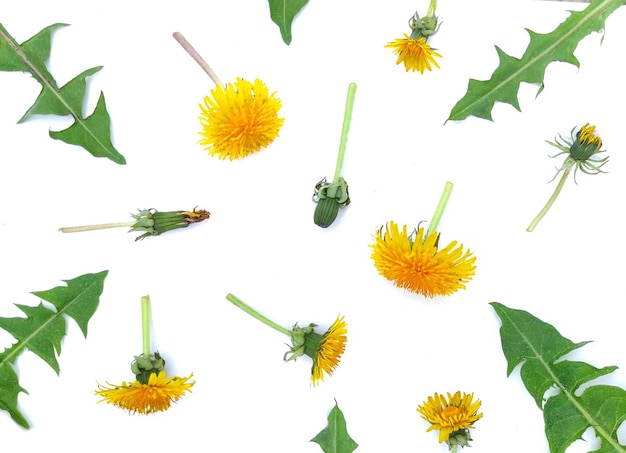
331 347
155 396
416 54
452 416
418 264
239 119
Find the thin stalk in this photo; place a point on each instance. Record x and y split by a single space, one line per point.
431 8
145 325
101 226
453 449
197 57
550 202
255 314
347 118
441 206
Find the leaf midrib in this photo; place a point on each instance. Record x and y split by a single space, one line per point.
590 419
43 81
577 26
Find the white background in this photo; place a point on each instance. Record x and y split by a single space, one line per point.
261 244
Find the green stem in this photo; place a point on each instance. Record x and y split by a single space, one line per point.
197 57
453 449
550 202
441 206
251 311
145 325
431 8
101 226
347 118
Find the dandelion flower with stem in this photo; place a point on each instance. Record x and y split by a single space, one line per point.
417 263
237 119
582 154
149 221
324 349
453 417
152 391
413 50
332 196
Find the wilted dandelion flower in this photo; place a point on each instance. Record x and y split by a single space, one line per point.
152 391
582 154
239 119
414 51
324 349
453 417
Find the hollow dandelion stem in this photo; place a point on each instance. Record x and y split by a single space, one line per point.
145 325
101 226
441 206
255 314
347 118
197 57
551 201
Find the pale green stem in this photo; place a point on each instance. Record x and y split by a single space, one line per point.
431 8
453 449
347 118
101 226
441 206
145 325
197 57
251 311
550 202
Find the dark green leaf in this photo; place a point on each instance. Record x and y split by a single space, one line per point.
335 438
283 12
42 330
31 56
558 45
537 346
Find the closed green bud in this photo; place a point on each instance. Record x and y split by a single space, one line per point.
325 212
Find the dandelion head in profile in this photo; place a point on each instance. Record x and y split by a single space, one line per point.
416 262
155 395
453 417
239 119
583 152
325 350
152 390
413 50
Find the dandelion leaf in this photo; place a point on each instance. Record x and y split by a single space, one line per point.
283 12
540 348
42 330
31 56
335 438
558 45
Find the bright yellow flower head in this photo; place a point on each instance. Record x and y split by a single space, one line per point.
239 119
414 53
451 415
330 349
418 264
155 396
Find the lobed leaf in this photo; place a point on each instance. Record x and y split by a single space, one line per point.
42 330
540 348
335 438
283 12
92 133
558 45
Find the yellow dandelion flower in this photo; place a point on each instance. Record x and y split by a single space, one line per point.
155 396
416 54
451 416
418 264
331 347
239 119
324 349
582 153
